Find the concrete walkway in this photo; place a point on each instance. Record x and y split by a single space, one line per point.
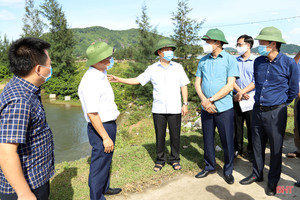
214 187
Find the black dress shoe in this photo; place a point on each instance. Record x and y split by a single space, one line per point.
202 174
297 184
229 178
250 179
271 191
112 191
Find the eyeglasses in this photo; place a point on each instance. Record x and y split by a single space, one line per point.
240 44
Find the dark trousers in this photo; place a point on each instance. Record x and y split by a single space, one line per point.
224 122
100 161
41 193
298 116
269 125
160 125
239 119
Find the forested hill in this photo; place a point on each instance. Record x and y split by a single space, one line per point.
116 38
124 38
85 36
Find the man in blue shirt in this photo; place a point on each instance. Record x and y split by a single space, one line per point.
26 141
215 78
244 91
277 84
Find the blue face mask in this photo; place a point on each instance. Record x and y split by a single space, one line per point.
168 55
262 50
49 76
111 63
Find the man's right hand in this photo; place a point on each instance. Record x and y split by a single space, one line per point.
113 78
208 106
108 145
27 196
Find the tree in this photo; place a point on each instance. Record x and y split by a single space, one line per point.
61 39
64 81
4 62
33 25
147 38
185 31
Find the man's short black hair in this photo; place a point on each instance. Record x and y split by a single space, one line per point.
26 53
247 39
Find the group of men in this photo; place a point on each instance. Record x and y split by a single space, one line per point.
229 89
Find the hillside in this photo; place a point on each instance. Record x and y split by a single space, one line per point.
116 38
85 36
123 38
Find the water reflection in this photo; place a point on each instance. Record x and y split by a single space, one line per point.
69 129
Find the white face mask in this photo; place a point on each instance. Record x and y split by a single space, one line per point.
207 48
242 50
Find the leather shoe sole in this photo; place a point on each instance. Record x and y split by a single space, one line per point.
113 191
229 179
250 179
202 174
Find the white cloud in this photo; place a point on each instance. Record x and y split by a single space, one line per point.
6 15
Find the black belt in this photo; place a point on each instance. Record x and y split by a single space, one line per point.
109 122
269 108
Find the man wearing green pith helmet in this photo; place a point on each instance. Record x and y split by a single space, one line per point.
168 79
276 82
215 78
100 111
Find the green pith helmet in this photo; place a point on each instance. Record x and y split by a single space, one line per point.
270 34
97 52
215 34
164 43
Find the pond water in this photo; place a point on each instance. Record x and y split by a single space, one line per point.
69 129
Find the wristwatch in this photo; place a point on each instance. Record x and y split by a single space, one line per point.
211 99
186 103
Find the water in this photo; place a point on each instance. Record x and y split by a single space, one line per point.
69 129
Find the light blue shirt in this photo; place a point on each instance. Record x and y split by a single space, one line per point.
167 83
214 73
246 70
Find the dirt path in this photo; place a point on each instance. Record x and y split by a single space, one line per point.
214 187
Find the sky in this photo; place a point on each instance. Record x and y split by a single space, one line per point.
249 16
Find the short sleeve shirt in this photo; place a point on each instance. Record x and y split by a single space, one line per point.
23 121
97 96
167 83
214 73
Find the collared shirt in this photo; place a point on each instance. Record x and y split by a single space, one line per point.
167 83
97 96
276 82
214 73
23 121
246 70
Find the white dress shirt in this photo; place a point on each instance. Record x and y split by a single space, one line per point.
167 83
96 95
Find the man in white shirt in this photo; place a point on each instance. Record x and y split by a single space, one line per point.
168 79
100 111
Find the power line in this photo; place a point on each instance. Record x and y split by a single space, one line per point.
252 22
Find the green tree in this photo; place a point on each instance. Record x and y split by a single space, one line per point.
61 39
185 31
4 62
64 81
33 25
147 38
